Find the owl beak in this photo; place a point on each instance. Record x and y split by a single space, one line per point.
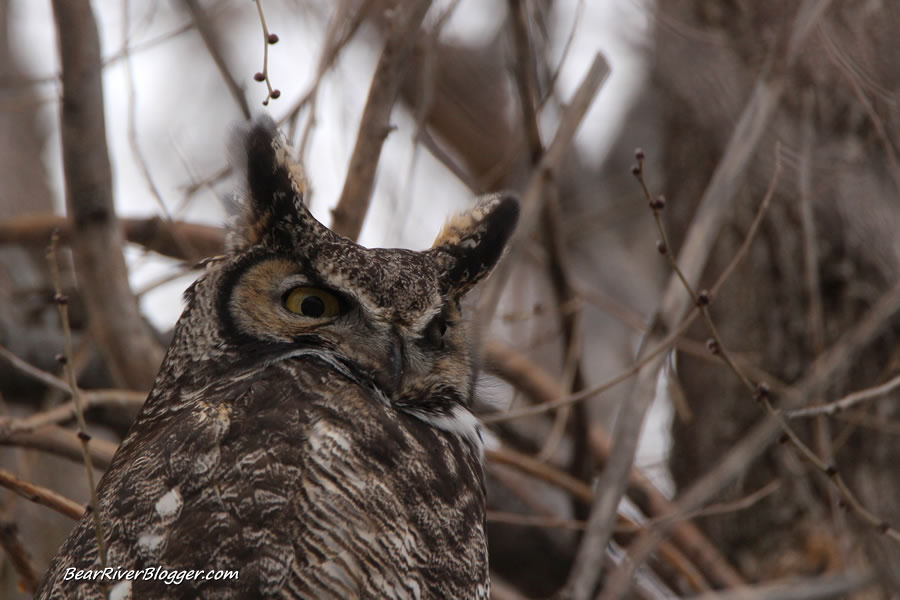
390 380
397 361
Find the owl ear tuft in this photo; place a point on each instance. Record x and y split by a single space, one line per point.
272 204
471 244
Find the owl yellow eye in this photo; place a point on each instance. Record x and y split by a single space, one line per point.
312 302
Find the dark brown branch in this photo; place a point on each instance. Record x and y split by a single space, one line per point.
353 204
152 233
19 556
545 172
128 346
557 265
526 78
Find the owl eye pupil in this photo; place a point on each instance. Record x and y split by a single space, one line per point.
312 306
312 302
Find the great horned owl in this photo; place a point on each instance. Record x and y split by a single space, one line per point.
310 426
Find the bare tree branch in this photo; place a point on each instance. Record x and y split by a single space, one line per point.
821 587
546 171
716 203
353 204
21 559
214 46
847 401
61 442
534 381
153 233
128 346
41 495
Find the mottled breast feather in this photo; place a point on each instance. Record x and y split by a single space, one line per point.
322 449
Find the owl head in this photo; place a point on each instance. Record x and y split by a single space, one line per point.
290 288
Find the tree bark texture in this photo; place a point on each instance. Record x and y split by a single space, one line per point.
827 253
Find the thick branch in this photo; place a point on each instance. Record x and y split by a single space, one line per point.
129 348
374 126
153 233
716 204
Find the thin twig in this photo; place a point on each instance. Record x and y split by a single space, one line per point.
48 379
268 39
583 492
589 392
618 583
564 292
340 31
62 305
511 518
723 508
534 381
754 226
424 103
546 171
214 46
41 495
821 429
631 416
848 401
714 206
564 55
61 442
133 141
64 412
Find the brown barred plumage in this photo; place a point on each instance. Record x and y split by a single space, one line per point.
323 448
